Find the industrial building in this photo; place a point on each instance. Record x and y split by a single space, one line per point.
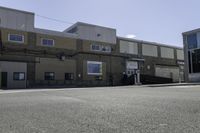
191 40
82 55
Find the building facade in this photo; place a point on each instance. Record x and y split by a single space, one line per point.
191 40
81 55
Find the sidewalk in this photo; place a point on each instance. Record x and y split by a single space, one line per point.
172 84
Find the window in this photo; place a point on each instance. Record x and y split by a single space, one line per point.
49 76
94 68
194 61
106 49
18 76
192 41
47 42
101 48
69 76
16 38
95 47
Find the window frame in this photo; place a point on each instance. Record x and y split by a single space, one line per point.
14 40
45 44
49 79
71 75
95 62
19 73
106 49
91 47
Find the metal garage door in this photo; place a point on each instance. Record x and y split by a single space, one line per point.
167 72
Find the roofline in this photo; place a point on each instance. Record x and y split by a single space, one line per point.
17 10
191 31
148 42
55 33
82 23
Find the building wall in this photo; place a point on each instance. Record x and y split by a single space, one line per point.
10 68
55 65
156 55
97 33
15 19
6 32
189 49
59 42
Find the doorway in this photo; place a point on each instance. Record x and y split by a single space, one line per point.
4 78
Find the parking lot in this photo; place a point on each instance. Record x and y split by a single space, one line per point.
131 109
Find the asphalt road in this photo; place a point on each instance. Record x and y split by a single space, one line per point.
101 110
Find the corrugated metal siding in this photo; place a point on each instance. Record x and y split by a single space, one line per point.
167 53
128 47
180 55
167 72
149 50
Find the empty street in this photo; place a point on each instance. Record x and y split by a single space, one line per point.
101 110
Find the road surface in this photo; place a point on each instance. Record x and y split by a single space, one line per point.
101 110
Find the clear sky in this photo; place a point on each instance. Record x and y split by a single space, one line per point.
151 20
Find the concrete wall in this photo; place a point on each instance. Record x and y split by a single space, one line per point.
15 19
97 33
6 32
10 68
54 65
59 42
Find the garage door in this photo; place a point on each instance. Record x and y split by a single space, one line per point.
167 72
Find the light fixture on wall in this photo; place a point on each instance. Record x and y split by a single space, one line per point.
148 67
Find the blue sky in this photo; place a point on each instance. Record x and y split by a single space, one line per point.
151 20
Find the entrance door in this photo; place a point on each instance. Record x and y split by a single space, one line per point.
4 79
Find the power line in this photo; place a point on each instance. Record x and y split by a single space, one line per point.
53 19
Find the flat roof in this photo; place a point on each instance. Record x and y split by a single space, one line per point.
191 31
148 42
55 33
6 8
87 24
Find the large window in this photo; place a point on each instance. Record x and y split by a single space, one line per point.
194 61
18 76
49 76
47 42
192 41
94 68
16 38
69 76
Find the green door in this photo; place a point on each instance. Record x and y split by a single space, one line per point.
4 76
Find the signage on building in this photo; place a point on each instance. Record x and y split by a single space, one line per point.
132 65
180 62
